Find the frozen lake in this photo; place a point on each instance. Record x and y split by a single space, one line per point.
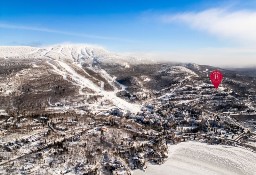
200 159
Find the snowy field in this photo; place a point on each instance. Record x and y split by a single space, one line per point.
190 158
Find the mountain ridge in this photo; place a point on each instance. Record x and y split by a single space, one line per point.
60 106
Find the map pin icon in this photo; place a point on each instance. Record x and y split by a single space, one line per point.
216 78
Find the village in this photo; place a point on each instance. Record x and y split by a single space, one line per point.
116 141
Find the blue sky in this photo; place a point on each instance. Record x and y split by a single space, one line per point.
174 29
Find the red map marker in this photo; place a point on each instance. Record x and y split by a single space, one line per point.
216 78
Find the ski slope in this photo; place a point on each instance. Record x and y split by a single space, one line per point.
65 70
66 59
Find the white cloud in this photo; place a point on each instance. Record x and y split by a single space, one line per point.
239 25
48 30
222 57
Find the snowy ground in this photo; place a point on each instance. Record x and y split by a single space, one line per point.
200 159
64 69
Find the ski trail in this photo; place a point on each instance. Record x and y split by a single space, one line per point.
84 82
79 78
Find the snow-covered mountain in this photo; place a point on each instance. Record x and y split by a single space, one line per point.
78 65
99 79
89 54
80 109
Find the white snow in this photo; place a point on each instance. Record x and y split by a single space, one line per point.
16 51
79 53
192 158
181 69
3 112
220 88
61 57
78 79
145 78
